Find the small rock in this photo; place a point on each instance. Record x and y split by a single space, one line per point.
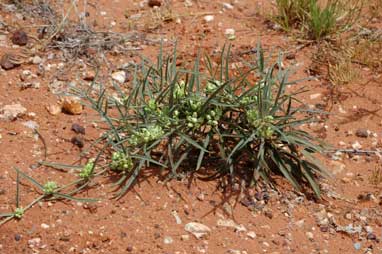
231 251
356 145
54 109
19 38
72 106
78 128
227 6
315 96
251 234
208 18
197 229
309 235
2 191
168 240
154 3
34 242
11 112
371 237
185 237
78 141
7 63
17 237
119 76
357 246
89 76
45 226
230 33
230 224
200 196
36 60
362 133
176 216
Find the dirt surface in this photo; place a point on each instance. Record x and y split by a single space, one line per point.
151 218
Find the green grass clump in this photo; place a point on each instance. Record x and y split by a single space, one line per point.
211 123
317 20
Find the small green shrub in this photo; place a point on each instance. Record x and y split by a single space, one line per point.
241 126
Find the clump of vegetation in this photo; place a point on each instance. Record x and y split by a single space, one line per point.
212 123
317 20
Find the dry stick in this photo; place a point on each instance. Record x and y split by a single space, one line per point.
355 151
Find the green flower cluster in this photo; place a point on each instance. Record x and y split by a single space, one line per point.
262 125
180 90
146 135
213 117
19 212
212 86
50 187
121 162
87 170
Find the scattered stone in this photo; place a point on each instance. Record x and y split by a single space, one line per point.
362 133
119 76
154 3
208 18
185 237
356 145
168 240
310 236
45 226
19 38
357 246
231 224
72 106
34 242
78 129
227 6
17 237
177 218
36 60
230 33
251 234
231 251
315 96
371 237
2 191
200 196
197 229
77 141
54 109
7 63
11 112
89 76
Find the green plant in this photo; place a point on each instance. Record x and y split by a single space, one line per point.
183 119
49 191
315 19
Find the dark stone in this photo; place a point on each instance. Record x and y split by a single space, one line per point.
362 133
129 249
153 3
17 237
20 38
78 141
78 128
371 237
